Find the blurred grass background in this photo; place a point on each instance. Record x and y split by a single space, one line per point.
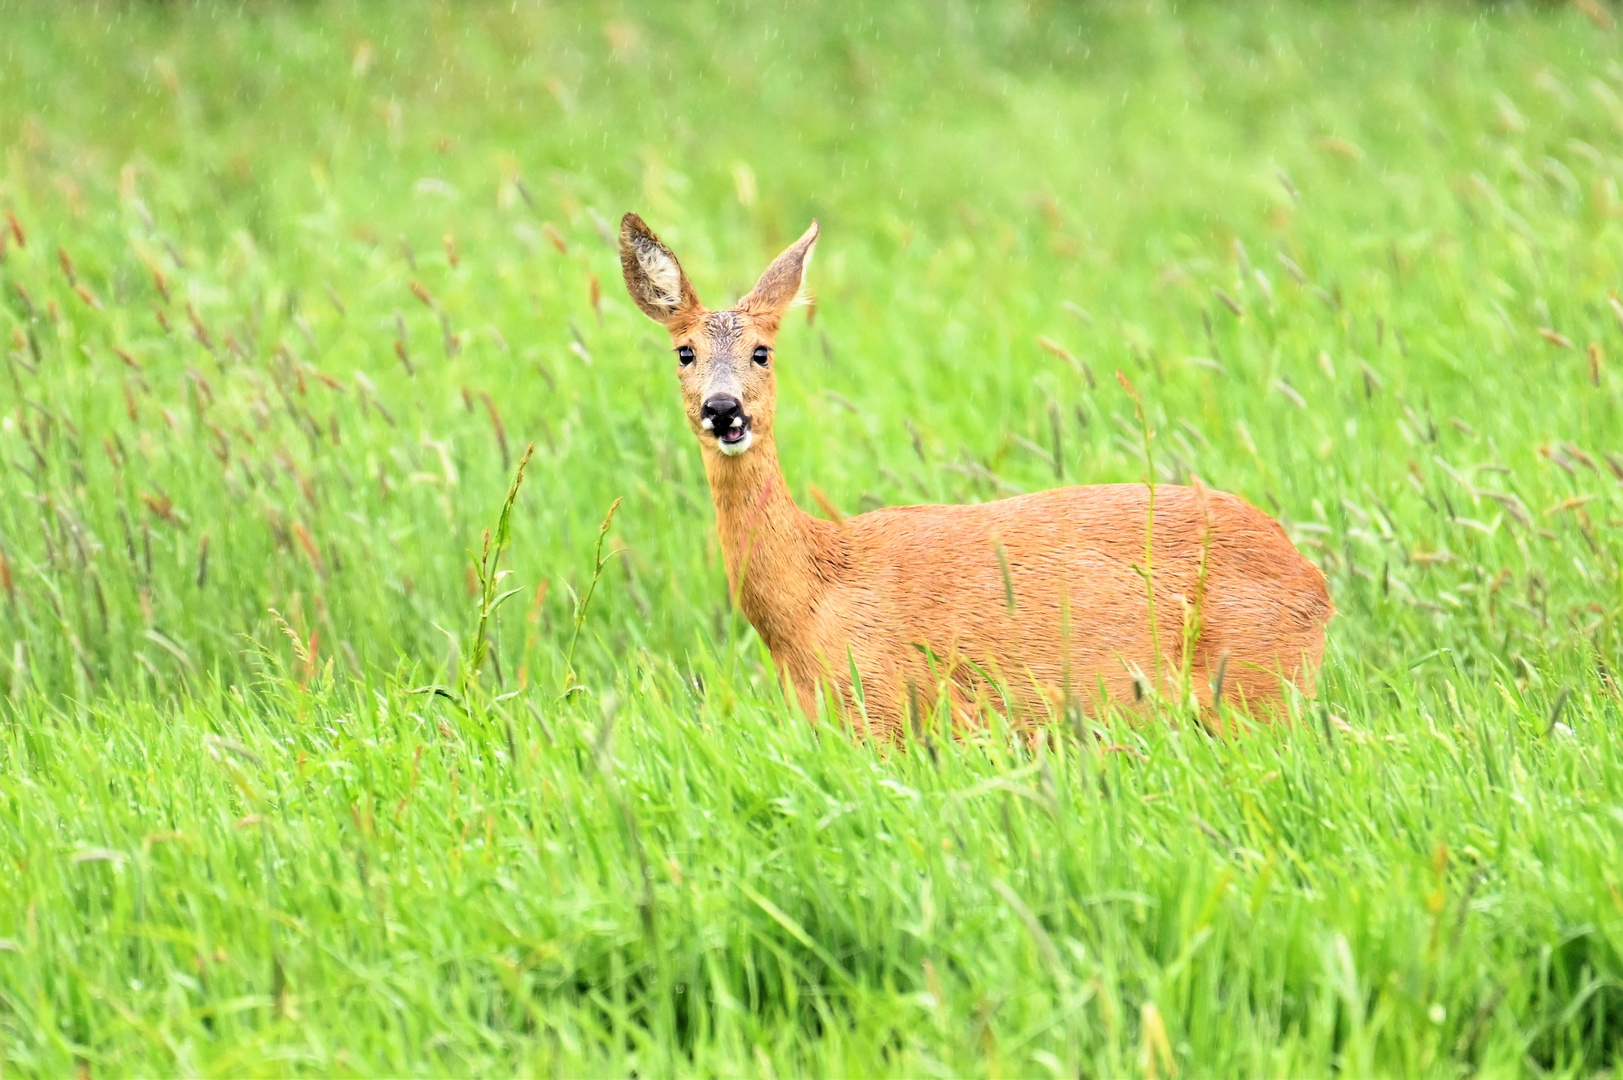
287 289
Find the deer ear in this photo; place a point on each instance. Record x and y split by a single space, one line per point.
780 285
653 276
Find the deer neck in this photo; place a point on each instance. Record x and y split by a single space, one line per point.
773 550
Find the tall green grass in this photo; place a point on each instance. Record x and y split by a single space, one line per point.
286 291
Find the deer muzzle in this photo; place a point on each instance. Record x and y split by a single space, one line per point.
722 415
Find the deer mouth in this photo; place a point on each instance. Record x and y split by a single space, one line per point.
736 438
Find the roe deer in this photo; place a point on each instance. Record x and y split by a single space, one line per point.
1039 600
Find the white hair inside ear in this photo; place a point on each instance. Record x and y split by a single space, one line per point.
662 273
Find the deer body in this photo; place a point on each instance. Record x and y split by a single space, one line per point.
1040 599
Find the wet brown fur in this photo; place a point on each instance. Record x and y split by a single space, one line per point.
917 599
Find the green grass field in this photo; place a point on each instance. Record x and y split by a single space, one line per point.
288 289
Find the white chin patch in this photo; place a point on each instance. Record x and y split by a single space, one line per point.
734 449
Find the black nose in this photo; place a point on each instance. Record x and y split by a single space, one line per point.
720 413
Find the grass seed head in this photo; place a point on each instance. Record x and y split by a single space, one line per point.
200 331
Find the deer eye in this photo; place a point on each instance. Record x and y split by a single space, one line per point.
684 355
761 354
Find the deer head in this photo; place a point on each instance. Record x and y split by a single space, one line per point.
723 358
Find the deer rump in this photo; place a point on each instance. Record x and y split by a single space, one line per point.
1034 603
